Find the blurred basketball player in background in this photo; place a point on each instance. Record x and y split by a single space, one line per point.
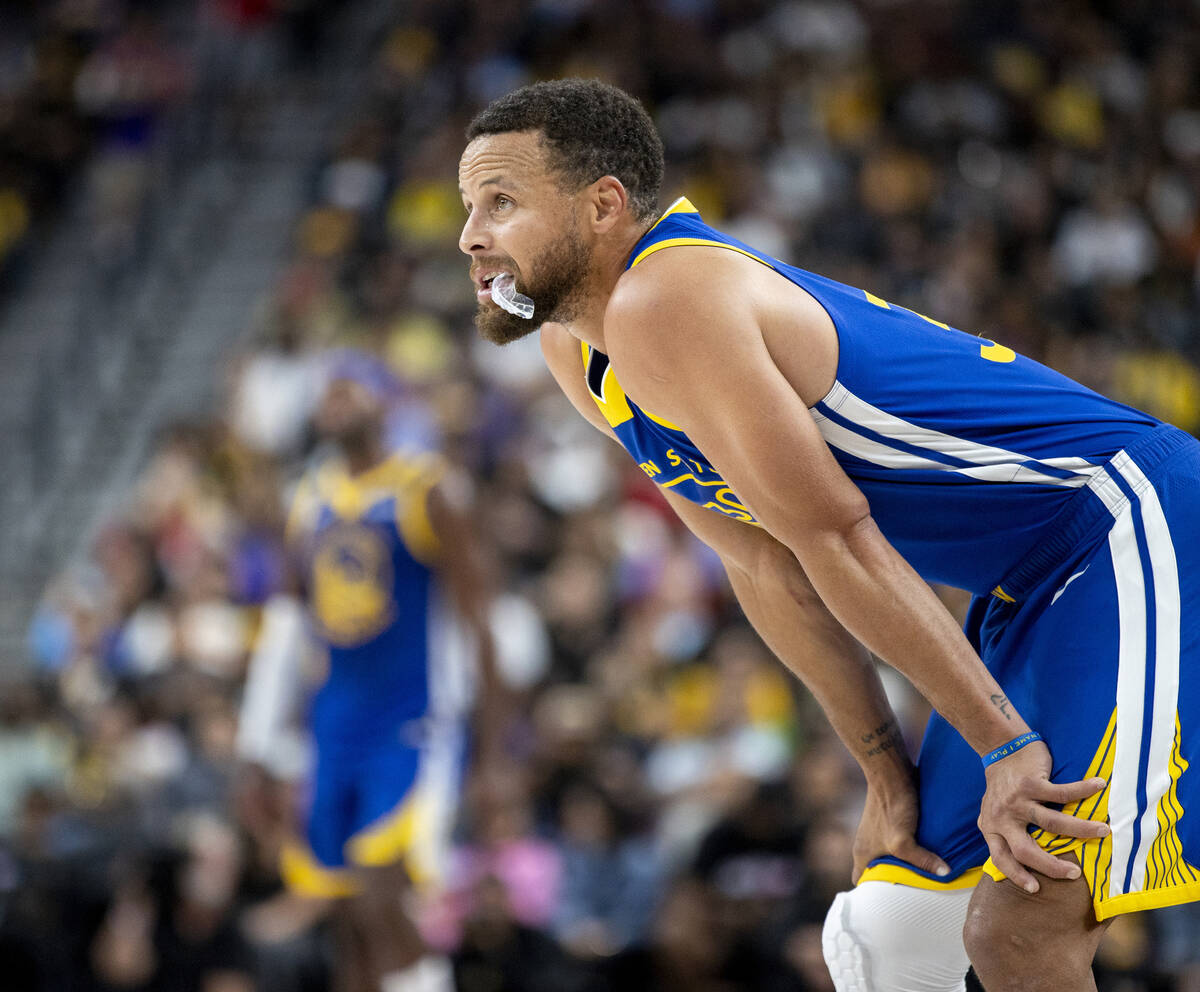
394 594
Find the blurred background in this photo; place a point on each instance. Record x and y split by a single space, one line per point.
200 198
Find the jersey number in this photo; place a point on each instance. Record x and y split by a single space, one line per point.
988 349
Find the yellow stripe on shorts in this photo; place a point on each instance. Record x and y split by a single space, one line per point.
1170 879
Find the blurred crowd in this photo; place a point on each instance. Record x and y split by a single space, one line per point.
110 95
674 813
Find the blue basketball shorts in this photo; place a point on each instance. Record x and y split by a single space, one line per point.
378 806
1095 638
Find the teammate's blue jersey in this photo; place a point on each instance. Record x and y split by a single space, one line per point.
367 548
964 450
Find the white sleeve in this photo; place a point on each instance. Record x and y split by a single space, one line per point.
273 680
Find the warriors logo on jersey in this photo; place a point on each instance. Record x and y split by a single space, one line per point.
351 584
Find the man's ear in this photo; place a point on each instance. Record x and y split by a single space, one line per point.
607 202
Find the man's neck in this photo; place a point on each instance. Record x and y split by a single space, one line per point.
362 455
608 265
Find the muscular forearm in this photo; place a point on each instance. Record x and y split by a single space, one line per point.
838 671
877 595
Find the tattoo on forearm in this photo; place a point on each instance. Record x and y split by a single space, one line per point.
885 737
1001 703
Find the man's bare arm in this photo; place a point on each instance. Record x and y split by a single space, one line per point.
781 604
773 590
461 567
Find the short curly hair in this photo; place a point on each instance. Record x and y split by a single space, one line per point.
591 129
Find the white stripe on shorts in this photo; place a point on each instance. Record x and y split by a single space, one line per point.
1166 659
1131 691
1132 663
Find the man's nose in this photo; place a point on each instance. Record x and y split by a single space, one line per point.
475 236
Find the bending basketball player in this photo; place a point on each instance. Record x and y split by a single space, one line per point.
838 450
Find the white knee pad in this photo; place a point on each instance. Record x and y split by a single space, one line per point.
882 937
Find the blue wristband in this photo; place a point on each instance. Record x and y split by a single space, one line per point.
1012 747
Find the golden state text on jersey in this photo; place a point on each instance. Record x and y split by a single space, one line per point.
661 449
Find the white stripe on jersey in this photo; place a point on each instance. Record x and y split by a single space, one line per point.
995 464
872 451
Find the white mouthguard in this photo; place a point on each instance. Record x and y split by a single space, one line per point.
506 297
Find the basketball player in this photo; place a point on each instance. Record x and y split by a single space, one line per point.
383 540
837 451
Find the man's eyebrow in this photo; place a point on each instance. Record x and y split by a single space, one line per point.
494 181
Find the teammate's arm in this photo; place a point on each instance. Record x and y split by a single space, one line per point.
462 570
683 330
779 601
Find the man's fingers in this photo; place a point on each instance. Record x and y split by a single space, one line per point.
1068 792
1068 826
919 857
1026 851
1002 858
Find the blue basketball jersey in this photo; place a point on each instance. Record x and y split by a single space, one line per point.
965 450
368 549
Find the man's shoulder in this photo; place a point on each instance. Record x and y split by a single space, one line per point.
687 272
670 291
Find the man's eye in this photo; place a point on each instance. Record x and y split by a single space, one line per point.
503 201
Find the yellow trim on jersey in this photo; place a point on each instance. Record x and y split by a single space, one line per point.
681 206
999 593
1170 880
663 422
406 479
702 242
612 401
899 875
412 511
306 876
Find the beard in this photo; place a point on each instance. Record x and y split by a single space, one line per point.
558 272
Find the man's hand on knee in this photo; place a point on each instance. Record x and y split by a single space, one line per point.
889 826
1018 791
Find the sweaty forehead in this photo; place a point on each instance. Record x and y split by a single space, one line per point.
516 156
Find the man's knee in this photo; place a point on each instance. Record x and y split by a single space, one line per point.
994 944
382 888
1049 938
1006 946
882 937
